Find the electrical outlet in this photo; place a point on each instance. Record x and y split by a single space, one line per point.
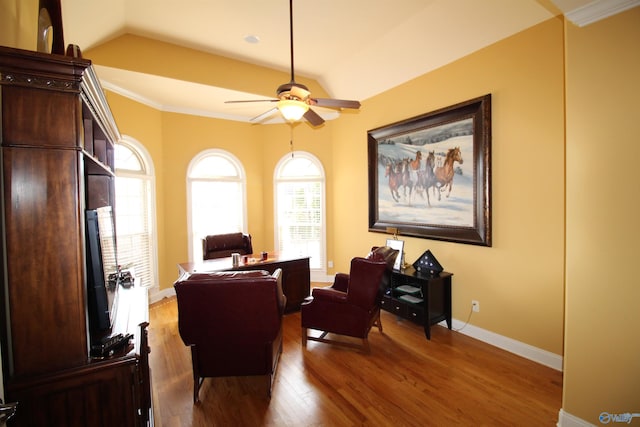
330 264
475 306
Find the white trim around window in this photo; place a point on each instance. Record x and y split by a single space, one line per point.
231 174
311 181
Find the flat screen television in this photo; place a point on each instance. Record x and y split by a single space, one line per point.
101 261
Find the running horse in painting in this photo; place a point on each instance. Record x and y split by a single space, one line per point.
425 178
428 177
414 164
395 179
412 174
444 174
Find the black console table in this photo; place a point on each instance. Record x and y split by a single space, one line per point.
422 298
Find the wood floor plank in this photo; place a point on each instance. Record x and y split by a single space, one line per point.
405 381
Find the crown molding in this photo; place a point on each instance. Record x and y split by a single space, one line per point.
597 10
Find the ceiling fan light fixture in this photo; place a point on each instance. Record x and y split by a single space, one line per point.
292 109
294 99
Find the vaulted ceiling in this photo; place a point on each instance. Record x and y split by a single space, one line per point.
354 49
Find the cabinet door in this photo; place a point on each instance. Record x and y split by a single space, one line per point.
98 395
44 248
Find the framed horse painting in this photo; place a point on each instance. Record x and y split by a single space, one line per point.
430 175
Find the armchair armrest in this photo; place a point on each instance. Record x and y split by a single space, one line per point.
341 282
282 299
329 295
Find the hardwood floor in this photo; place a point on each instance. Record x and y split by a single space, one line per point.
405 381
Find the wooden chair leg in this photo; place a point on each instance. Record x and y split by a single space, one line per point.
375 321
197 382
271 377
304 337
364 347
197 379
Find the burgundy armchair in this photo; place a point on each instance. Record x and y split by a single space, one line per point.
351 306
223 245
232 321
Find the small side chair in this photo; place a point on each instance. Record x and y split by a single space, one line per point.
351 306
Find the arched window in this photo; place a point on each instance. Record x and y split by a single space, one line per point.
216 192
135 211
299 182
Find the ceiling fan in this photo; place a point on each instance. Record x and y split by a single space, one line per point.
294 99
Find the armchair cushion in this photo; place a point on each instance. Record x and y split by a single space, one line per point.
341 282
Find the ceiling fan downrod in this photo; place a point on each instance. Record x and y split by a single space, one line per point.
291 37
286 87
294 99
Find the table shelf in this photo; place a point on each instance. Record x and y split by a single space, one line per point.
422 298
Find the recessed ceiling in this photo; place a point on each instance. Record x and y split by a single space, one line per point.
354 49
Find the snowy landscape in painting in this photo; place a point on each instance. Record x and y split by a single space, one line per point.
455 209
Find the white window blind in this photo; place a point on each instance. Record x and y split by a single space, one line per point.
134 215
216 189
300 208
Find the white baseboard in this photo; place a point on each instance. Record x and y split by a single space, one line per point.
159 295
527 351
321 277
565 419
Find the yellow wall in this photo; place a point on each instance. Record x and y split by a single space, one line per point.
519 281
144 124
184 137
173 140
19 23
275 141
516 280
602 345
518 277
258 148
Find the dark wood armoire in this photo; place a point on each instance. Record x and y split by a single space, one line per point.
57 160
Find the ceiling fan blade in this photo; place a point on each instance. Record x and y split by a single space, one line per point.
251 100
261 117
313 117
334 103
